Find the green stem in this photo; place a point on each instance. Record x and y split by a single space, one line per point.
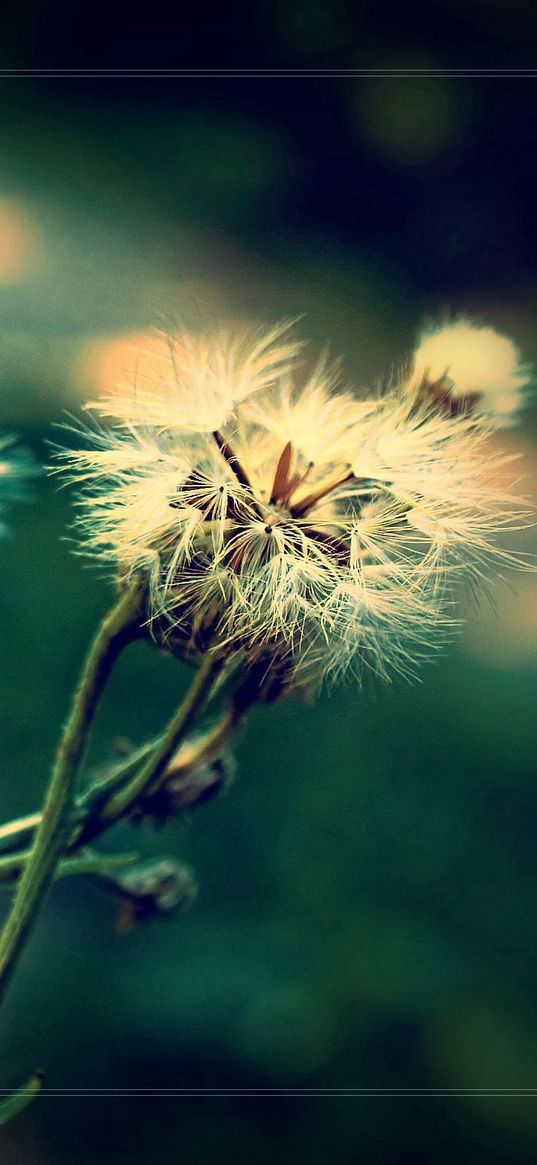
13 1103
155 766
119 626
93 805
11 831
85 863
14 832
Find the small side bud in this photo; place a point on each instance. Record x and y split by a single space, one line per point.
185 788
153 889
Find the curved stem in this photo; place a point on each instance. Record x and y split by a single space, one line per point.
155 766
87 862
119 626
93 804
11 1104
12 830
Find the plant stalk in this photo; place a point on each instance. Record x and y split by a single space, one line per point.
155 766
91 813
119 626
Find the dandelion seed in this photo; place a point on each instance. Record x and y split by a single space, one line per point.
293 522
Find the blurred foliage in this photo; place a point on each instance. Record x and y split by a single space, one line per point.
367 907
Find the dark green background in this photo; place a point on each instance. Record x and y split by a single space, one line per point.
366 916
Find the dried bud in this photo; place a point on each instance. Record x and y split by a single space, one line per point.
153 889
187 787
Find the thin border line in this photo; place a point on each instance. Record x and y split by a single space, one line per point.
133 73
172 1093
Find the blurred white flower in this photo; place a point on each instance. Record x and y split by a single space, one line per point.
16 467
472 366
309 526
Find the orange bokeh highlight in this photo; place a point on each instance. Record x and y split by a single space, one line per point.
503 632
18 242
107 363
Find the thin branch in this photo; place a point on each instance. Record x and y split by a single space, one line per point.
14 1103
119 627
92 807
88 862
148 777
13 829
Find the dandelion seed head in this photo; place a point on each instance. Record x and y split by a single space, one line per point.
312 527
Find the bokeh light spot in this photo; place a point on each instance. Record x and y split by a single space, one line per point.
18 242
410 120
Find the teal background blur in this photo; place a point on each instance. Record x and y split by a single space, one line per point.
366 916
